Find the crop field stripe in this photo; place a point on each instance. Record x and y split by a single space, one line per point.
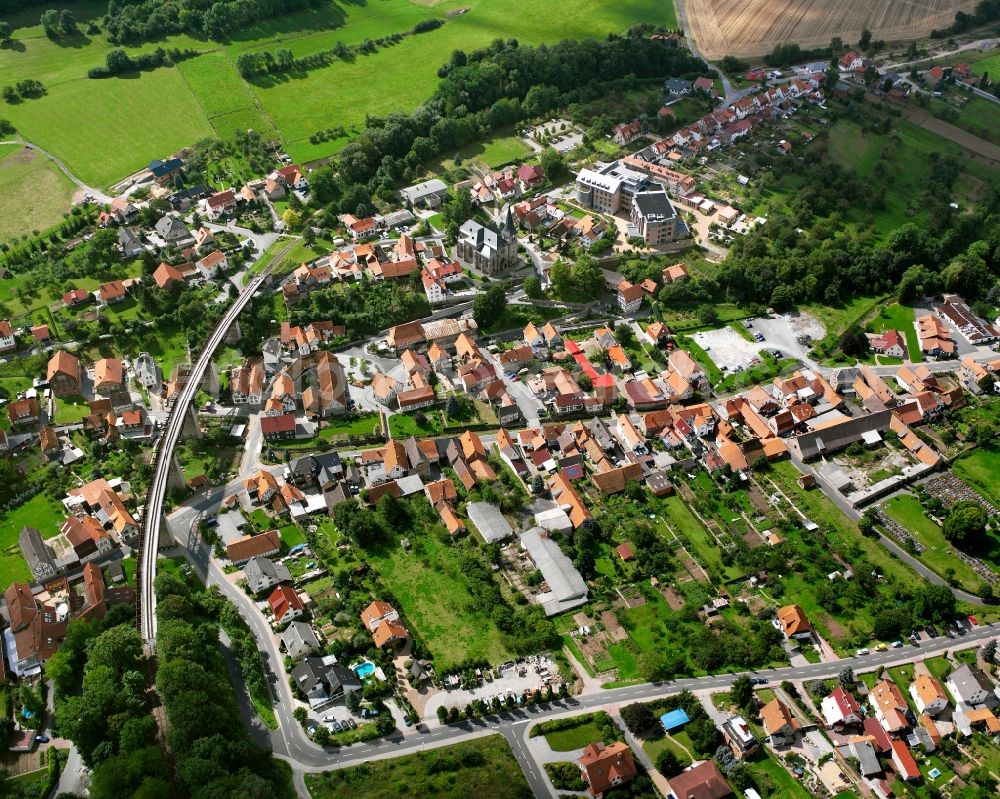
755 27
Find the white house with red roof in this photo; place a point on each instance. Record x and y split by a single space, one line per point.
210 265
840 708
888 342
7 340
220 203
626 132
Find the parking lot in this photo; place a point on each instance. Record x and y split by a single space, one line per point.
782 333
564 135
728 349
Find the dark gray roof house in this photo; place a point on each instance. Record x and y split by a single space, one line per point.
299 640
263 573
322 680
171 229
678 86
37 554
162 169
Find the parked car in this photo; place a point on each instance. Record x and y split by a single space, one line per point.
759 681
42 739
862 652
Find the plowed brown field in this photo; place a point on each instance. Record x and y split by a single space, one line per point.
754 27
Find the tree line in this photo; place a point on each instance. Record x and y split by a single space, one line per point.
264 62
131 22
118 62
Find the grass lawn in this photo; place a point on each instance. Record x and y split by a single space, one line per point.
34 193
898 317
654 746
980 469
786 786
500 148
404 425
939 555
291 535
40 512
574 737
168 108
836 319
435 598
817 507
484 768
938 666
70 410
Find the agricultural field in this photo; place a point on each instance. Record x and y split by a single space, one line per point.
729 27
484 768
107 129
34 194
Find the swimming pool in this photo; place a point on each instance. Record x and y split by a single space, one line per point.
364 669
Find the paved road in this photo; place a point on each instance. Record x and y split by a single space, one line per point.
514 724
98 195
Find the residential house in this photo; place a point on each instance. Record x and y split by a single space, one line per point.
322 680
890 706
108 375
703 781
240 550
840 708
382 620
63 374
163 172
299 640
285 604
220 204
674 273
779 723
24 412
385 388
530 175
626 132
246 383
262 574
970 687
739 737
629 297
75 297
212 264
605 767
794 623
112 292
130 243
928 695
888 342
276 428
173 231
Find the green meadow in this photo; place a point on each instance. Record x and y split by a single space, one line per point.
107 129
50 196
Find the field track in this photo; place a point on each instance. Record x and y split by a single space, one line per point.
754 27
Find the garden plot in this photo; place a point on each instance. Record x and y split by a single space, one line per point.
728 349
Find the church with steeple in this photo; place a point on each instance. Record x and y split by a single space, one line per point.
487 249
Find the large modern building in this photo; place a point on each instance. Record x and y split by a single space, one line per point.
654 217
487 249
609 189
